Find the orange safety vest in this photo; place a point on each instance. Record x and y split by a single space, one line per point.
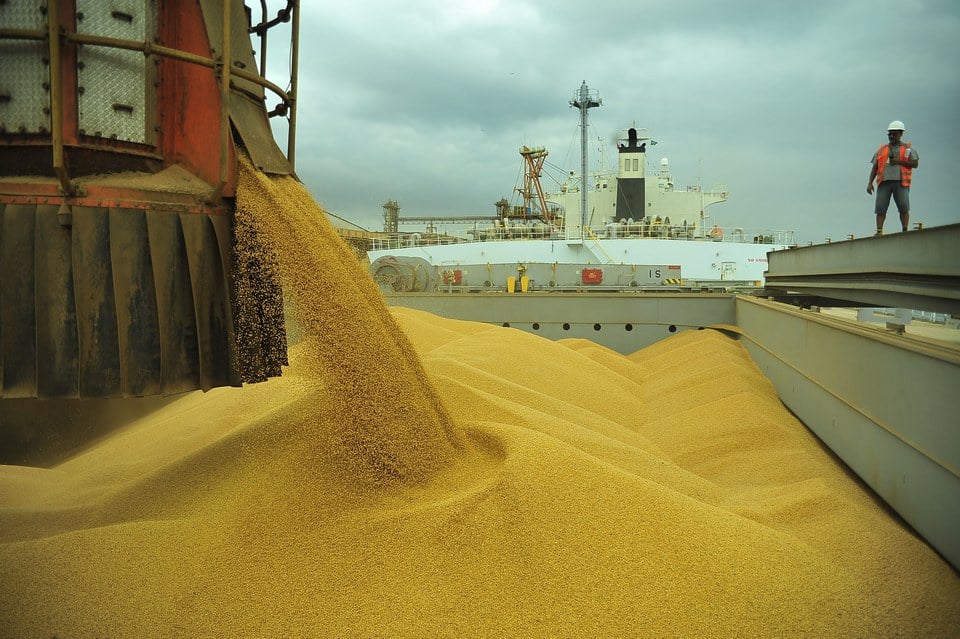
905 171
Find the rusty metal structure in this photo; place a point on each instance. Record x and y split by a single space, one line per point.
120 126
532 190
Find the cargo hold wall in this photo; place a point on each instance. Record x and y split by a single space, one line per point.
884 402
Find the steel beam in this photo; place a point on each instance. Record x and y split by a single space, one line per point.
918 270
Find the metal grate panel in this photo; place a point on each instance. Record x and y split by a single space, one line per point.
24 102
114 85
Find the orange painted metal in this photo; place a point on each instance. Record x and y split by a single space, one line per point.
189 102
592 276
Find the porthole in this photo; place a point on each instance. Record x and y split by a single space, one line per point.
506 324
597 327
536 326
628 327
566 326
672 328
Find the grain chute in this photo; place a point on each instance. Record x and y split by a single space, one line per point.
120 125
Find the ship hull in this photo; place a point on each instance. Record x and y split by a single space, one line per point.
700 261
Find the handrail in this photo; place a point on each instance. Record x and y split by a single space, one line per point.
521 234
596 240
149 49
22 34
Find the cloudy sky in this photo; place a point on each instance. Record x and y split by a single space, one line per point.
428 101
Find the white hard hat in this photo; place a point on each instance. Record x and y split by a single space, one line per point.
896 125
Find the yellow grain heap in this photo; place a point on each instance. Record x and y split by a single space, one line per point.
564 491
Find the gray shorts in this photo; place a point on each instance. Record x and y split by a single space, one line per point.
900 193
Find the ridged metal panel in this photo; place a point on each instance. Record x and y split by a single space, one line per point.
212 307
223 234
916 270
179 352
136 303
57 330
99 352
17 309
23 71
123 303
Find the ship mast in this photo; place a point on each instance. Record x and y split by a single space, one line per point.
533 166
583 101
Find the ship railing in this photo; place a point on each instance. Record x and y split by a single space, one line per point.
609 231
662 230
406 240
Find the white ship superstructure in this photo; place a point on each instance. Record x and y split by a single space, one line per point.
628 196
599 230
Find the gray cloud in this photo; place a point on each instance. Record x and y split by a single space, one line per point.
428 102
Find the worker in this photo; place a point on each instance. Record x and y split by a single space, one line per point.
892 168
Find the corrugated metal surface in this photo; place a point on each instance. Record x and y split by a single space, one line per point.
125 303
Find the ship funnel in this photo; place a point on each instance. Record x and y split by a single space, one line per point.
631 197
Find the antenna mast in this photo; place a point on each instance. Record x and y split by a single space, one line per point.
584 101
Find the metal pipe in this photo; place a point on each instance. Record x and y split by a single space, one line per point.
294 69
23 34
149 49
225 66
584 98
146 48
253 77
153 49
56 97
583 102
263 39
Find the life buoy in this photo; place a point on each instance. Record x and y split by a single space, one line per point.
716 233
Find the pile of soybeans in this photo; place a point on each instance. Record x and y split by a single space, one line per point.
413 476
